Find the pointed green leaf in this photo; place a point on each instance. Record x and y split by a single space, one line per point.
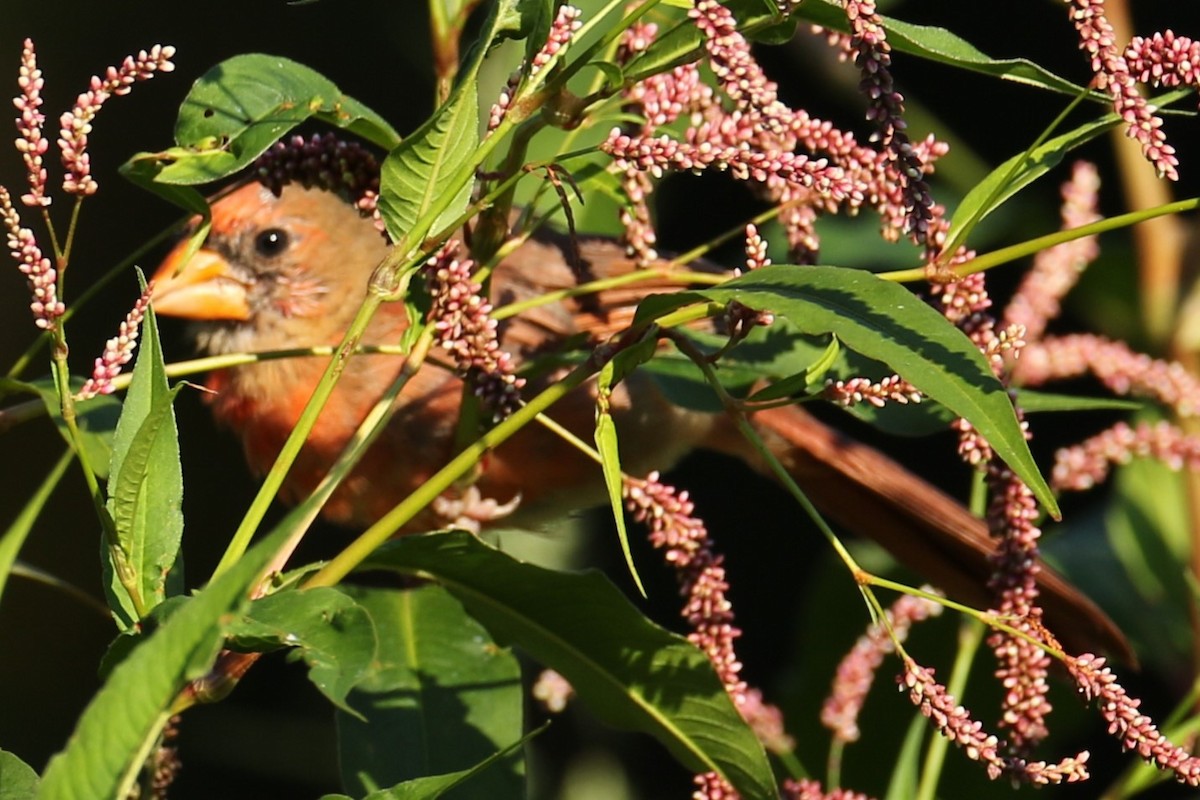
124 718
1019 171
628 671
429 172
607 445
145 486
18 531
440 697
886 322
331 632
18 781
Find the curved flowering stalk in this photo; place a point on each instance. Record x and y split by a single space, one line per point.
856 672
683 539
1113 75
77 123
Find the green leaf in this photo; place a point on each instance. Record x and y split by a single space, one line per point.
605 437
122 721
243 105
95 418
1021 170
18 531
331 632
145 487
18 781
627 670
886 322
1037 402
804 381
429 172
440 696
939 44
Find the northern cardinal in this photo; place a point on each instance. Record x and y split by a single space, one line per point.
290 270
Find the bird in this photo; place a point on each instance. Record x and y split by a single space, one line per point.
287 268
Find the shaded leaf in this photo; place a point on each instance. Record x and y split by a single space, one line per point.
95 418
886 322
439 697
332 634
129 711
1037 402
628 671
242 106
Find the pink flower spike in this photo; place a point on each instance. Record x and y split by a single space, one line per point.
1113 75
30 143
561 31
118 351
43 278
76 124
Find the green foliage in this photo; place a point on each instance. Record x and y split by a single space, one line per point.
428 680
628 671
330 632
439 697
146 487
117 729
18 781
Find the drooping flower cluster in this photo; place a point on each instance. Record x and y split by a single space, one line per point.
465 328
1113 75
1164 59
955 723
76 124
685 545
757 140
1136 731
856 672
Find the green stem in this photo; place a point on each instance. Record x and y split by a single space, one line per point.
121 567
970 636
1028 248
295 441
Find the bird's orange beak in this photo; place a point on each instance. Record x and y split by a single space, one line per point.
202 287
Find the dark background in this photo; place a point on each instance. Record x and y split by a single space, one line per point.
274 737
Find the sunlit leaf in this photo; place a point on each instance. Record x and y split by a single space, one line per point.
145 486
886 322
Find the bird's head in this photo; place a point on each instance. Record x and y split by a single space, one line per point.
275 272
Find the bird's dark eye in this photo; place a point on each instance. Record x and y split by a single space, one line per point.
271 242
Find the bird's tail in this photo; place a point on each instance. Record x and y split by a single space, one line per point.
925 529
